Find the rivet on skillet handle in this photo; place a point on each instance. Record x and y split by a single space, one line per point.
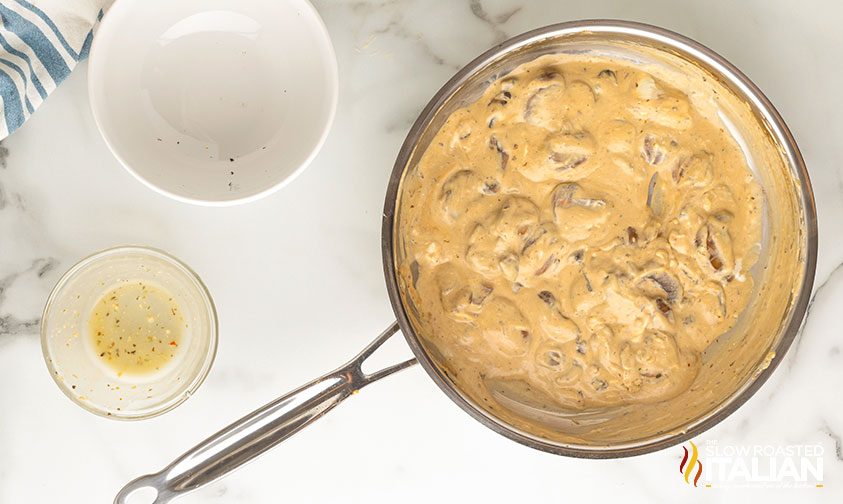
262 429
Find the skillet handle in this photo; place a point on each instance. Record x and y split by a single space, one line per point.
262 429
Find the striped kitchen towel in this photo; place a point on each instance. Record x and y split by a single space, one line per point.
40 43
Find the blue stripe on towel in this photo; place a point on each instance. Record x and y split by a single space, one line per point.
86 47
38 12
17 69
11 50
34 38
11 102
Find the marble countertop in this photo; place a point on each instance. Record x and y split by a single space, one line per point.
298 281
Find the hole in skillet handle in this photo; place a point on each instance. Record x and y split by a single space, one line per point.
142 490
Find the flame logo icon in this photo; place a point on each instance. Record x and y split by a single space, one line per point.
686 467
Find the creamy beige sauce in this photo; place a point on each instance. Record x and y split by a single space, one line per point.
136 328
581 228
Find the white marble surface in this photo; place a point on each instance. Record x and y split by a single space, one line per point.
298 282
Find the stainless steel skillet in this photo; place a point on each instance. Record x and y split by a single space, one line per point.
783 277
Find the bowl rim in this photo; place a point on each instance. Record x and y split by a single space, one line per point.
780 131
96 63
213 328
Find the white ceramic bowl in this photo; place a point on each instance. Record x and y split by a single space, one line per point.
213 102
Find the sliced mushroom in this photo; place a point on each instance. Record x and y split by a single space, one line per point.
514 221
490 187
567 158
549 74
669 285
548 298
631 235
715 257
652 152
414 272
714 246
551 359
540 254
651 190
461 190
566 196
656 200
557 358
599 384
495 246
576 212
581 346
480 293
462 132
460 299
664 308
547 265
501 98
661 285
608 74
695 171
540 109
493 120
607 79
495 144
533 237
467 302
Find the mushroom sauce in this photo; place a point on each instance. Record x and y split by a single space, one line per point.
582 228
